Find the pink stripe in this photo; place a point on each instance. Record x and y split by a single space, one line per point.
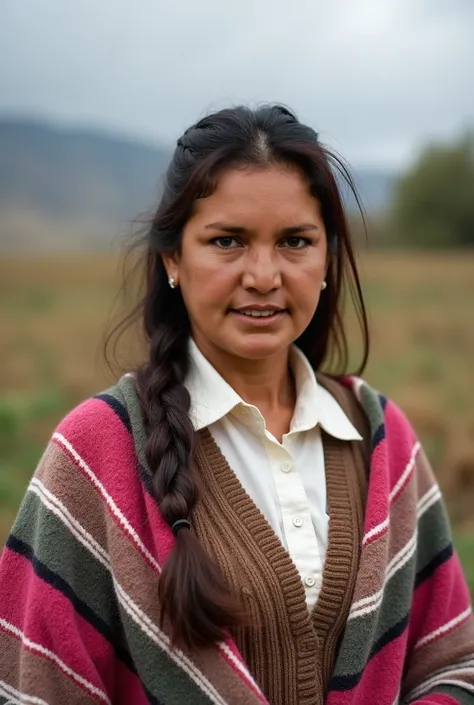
377 499
400 440
128 687
438 600
111 457
44 615
380 682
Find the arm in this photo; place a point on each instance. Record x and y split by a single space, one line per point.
440 662
58 640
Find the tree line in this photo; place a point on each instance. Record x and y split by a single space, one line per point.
433 204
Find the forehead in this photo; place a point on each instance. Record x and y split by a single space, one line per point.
276 193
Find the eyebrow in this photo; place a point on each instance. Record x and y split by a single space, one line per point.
240 230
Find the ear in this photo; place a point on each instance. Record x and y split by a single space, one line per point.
171 264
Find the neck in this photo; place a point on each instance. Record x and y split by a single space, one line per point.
266 384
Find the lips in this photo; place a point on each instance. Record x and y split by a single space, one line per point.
260 315
254 313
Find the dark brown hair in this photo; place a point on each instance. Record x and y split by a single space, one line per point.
193 593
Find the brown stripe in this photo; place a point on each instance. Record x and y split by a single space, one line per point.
60 476
424 474
377 555
36 676
446 651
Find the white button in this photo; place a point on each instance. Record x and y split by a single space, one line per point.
298 521
310 582
286 467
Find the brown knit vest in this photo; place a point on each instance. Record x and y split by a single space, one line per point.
290 652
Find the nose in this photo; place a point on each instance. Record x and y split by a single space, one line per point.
262 270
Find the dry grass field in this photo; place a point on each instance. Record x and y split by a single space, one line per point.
53 314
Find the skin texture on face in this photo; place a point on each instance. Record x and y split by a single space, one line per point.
258 241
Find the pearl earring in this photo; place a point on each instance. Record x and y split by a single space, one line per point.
324 285
171 282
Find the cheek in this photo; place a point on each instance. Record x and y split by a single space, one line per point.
207 282
306 279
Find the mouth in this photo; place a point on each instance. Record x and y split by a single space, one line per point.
259 316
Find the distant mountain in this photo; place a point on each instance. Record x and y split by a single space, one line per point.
75 189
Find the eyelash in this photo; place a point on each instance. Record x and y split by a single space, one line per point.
217 240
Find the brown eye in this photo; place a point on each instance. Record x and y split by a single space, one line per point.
297 243
225 243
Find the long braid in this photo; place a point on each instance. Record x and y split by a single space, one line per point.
192 591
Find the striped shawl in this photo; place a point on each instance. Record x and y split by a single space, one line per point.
78 609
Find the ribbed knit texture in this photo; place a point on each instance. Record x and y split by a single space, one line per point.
289 652
79 615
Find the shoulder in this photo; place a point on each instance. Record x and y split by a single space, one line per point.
385 417
97 435
103 415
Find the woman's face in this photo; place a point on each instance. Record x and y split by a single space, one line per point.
252 262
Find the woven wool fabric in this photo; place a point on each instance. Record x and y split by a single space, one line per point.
79 616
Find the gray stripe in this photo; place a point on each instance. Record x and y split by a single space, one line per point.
433 535
363 632
459 694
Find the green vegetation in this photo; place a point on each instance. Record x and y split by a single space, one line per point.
434 206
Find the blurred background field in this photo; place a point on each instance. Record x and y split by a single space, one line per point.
54 313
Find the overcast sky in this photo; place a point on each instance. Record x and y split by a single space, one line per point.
376 78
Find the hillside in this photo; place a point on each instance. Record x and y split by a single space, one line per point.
78 189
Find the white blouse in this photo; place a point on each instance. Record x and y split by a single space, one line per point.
286 480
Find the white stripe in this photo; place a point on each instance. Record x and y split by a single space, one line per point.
239 665
406 472
7 694
402 557
110 502
376 530
366 605
427 501
19 698
57 508
447 679
132 609
401 481
445 628
463 668
357 383
33 646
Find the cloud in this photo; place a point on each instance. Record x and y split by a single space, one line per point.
376 79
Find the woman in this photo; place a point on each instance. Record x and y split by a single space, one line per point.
229 525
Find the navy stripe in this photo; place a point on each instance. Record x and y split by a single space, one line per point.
391 634
55 580
342 683
119 409
122 414
435 563
383 401
378 436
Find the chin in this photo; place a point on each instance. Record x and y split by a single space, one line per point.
257 348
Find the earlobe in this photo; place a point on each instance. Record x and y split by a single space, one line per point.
171 267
